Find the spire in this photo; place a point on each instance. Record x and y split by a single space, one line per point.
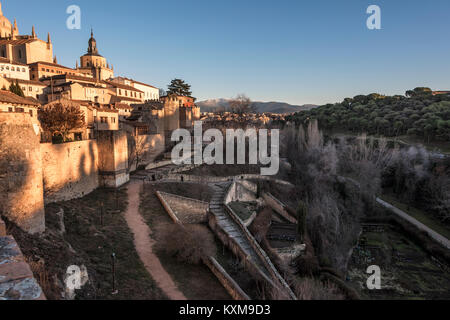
92 49
55 60
33 32
13 35
49 40
15 25
76 64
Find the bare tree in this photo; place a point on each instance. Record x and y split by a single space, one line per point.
241 105
138 146
61 119
189 243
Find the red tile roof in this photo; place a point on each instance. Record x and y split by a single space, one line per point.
9 97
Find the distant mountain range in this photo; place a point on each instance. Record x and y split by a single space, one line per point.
214 105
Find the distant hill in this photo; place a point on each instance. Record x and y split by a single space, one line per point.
261 107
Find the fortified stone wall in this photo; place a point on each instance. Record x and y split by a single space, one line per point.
113 158
21 187
70 170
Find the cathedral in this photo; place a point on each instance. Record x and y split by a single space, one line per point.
24 49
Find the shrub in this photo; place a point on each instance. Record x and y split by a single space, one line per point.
190 243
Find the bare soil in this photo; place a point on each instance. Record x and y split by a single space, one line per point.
86 242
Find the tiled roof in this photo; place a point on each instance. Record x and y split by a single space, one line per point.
32 82
122 86
118 99
51 65
9 97
18 41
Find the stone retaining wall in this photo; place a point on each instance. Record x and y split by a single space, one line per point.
264 257
186 210
238 251
278 206
225 279
168 209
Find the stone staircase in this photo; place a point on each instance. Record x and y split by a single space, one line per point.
230 227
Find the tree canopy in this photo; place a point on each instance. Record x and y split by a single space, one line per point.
16 89
179 87
418 114
59 119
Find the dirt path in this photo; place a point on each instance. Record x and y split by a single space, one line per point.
144 245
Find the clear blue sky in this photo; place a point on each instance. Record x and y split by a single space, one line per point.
294 51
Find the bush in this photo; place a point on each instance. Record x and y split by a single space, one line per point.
312 289
190 243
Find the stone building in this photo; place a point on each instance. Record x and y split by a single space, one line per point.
30 88
25 49
150 93
13 69
12 103
41 69
94 64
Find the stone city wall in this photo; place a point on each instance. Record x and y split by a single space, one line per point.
21 187
70 170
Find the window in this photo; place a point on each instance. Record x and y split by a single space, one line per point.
10 109
13 69
30 89
20 54
20 110
31 112
113 120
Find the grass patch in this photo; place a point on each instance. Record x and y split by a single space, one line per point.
196 282
420 215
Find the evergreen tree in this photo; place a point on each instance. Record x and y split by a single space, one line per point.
16 89
179 87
